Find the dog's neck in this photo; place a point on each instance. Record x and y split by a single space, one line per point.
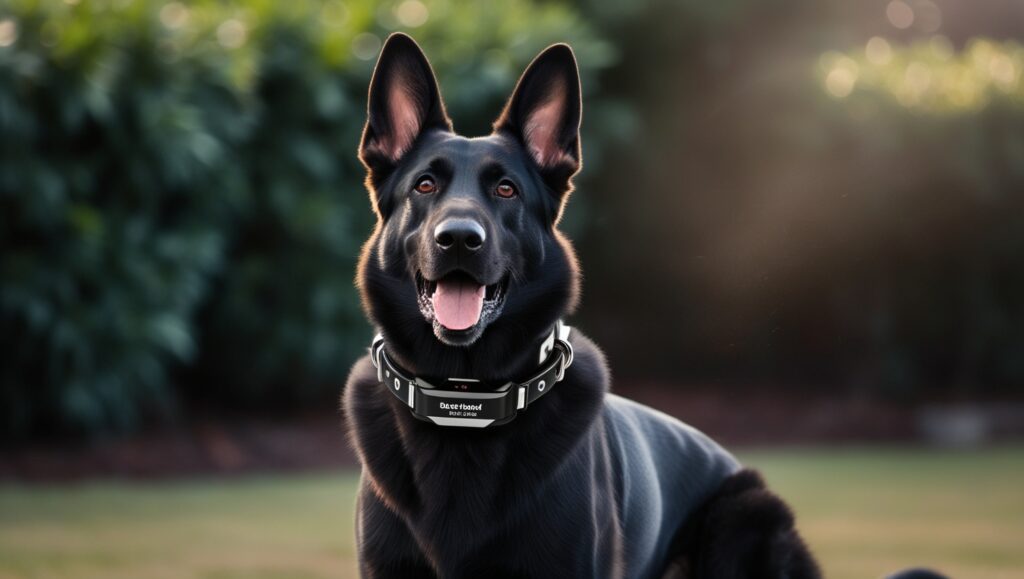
496 358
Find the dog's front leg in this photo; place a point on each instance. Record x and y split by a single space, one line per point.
386 547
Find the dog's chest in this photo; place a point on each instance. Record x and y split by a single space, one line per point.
562 491
610 509
502 522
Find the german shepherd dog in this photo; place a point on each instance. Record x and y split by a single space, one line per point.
490 444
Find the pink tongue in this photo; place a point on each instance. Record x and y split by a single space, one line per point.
457 303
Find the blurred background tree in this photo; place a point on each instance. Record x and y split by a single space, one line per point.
838 187
794 192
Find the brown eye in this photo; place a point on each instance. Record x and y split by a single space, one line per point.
505 189
426 185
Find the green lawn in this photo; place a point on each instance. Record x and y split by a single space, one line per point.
864 512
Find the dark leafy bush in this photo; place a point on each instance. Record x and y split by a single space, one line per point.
113 167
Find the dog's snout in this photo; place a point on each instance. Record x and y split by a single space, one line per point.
455 234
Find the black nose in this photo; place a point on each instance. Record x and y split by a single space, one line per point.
455 233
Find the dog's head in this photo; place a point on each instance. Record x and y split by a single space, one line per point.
467 237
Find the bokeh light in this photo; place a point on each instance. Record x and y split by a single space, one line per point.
900 14
841 74
365 46
412 13
929 75
8 32
231 33
878 50
927 16
174 15
334 13
1002 70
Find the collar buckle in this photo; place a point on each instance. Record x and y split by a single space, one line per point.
567 358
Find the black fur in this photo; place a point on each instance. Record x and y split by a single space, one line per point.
581 484
743 530
917 573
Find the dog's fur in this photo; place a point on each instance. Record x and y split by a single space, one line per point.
582 483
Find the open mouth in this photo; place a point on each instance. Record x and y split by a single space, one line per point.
457 302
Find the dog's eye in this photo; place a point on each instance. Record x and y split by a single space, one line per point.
505 189
426 185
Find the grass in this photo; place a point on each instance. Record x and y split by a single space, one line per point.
864 512
869 512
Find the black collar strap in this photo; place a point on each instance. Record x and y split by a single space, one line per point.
451 404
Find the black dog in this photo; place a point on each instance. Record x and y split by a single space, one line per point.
489 442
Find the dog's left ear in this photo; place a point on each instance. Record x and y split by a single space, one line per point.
544 114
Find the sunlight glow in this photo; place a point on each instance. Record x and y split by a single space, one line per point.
929 75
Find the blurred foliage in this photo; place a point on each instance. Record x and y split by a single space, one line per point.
934 301
930 76
180 201
835 200
809 194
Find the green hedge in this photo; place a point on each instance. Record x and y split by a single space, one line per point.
180 202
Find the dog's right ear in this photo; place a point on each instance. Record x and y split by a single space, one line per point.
404 102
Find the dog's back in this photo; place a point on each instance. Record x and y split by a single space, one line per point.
664 471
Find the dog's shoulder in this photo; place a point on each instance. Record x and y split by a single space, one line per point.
361 408
358 395
663 471
373 435
726 518
677 452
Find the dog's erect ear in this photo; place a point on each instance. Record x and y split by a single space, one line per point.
404 102
544 113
